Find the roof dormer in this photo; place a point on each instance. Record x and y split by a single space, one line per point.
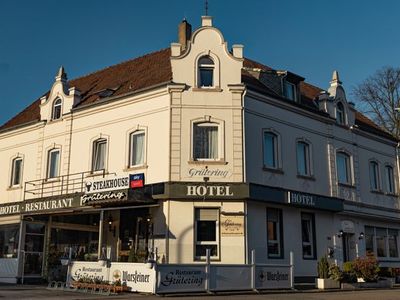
335 103
60 100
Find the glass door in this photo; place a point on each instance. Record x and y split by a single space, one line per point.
34 245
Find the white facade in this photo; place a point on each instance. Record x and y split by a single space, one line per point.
228 142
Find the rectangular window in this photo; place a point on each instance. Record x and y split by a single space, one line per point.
369 239
206 77
290 91
99 155
303 159
16 172
274 233
389 180
136 150
206 232
343 168
308 235
374 175
381 242
270 150
205 141
53 163
9 237
392 239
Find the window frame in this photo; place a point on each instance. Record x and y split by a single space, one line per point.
349 168
58 103
307 156
220 139
49 163
387 249
217 241
391 183
280 232
277 150
342 112
313 240
13 182
144 152
375 178
95 144
293 87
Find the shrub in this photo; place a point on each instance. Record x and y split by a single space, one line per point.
335 273
367 268
323 268
349 273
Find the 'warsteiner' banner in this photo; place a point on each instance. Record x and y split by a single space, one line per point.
181 278
273 277
27 207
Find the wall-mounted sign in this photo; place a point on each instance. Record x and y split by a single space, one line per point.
232 225
301 199
136 180
38 206
107 184
89 199
209 190
206 172
348 226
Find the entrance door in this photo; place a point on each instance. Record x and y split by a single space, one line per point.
348 247
33 246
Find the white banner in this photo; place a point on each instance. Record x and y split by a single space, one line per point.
88 269
138 277
107 184
181 278
272 277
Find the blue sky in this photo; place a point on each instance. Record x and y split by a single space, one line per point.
308 37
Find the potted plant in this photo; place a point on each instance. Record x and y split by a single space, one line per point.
324 281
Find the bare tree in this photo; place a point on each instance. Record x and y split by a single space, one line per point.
379 98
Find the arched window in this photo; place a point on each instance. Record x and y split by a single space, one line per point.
205 141
136 148
53 163
340 114
343 168
206 72
270 150
99 154
390 187
303 159
16 171
374 175
57 108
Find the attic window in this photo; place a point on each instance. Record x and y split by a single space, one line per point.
206 72
290 90
340 115
57 106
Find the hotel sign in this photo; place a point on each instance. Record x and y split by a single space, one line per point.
232 225
314 201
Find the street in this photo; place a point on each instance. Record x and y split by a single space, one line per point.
39 292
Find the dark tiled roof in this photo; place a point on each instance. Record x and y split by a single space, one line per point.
155 68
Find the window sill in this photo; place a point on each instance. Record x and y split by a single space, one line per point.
309 258
53 179
391 194
52 121
377 192
207 89
276 257
14 188
312 178
133 168
207 162
97 173
348 185
272 170
203 258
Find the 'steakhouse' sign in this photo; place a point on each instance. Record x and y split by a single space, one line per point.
26 207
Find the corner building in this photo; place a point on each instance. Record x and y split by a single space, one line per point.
190 148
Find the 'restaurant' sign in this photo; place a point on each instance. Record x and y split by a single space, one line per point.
27 207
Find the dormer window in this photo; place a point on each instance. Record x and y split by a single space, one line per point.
340 116
206 72
57 106
290 90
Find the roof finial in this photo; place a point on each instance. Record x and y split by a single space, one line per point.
61 75
335 77
206 6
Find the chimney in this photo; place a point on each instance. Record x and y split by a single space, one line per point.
184 33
